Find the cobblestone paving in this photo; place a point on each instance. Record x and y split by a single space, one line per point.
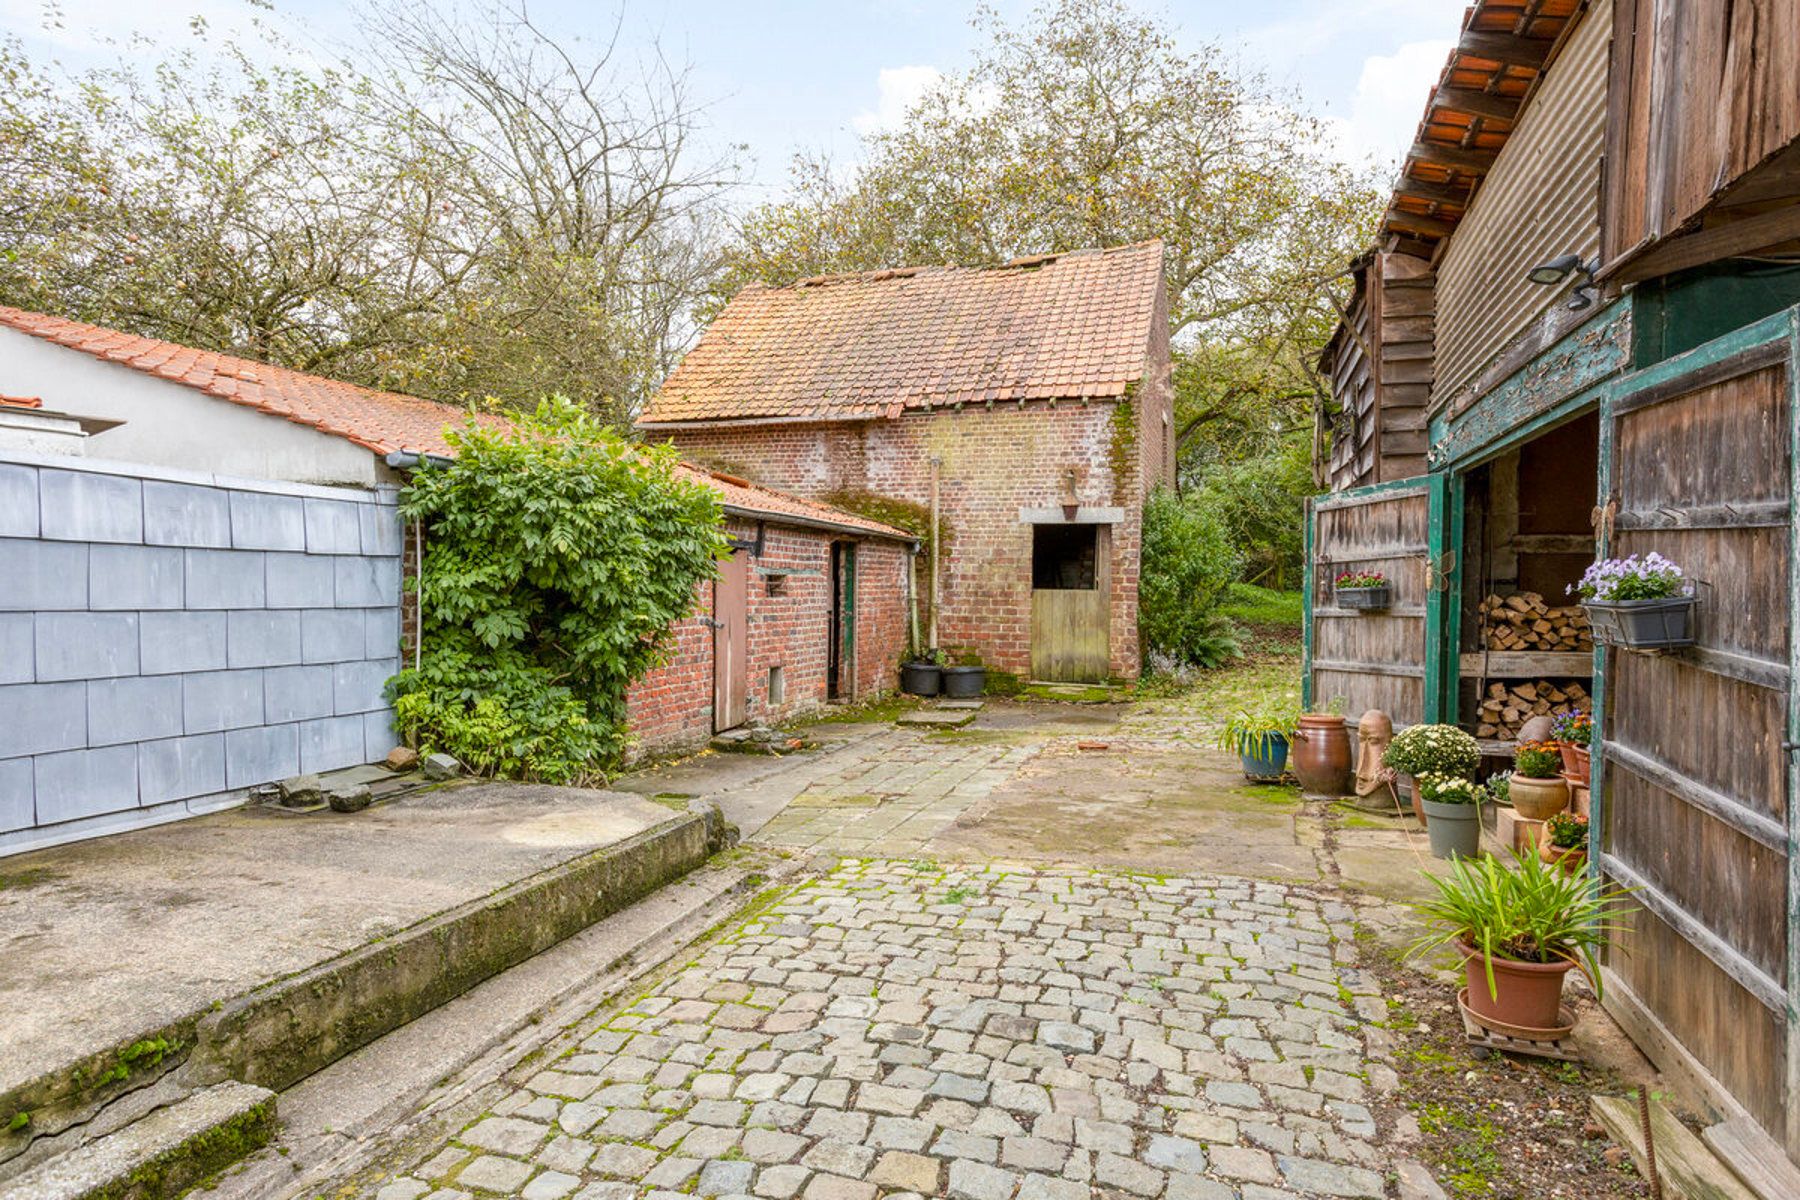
895 1029
893 795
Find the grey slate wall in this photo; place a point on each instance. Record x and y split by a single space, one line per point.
169 639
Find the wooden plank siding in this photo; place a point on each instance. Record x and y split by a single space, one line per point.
1693 773
1381 427
1703 94
1372 659
1540 200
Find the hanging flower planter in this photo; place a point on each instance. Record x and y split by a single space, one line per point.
1364 590
1641 604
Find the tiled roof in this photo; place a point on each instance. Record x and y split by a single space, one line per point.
745 497
22 401
848 347
379 421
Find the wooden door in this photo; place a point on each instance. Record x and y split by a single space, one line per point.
1694 765
841 663
1391 659
731 642
1071 603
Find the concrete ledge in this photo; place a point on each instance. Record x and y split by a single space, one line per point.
283 1032
161 1155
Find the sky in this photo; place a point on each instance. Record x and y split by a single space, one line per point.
814 74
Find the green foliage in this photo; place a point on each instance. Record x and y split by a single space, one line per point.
1567 830
1449 789
1433 750
1528 913
1261 498
1253 605
1537 760
557 557
1188 563
1249 731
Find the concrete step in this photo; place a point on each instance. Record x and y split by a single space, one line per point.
160 1155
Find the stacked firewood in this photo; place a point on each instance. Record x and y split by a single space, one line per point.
1525 622
1507 706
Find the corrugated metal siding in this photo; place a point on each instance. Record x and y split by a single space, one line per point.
1541 199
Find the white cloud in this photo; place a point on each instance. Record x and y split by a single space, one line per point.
1390 98
899 88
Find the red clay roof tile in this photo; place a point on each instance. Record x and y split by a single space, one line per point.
854 347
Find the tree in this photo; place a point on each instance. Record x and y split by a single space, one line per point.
1088 125
471 210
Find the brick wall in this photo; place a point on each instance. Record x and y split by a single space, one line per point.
995 461
671 708
169 639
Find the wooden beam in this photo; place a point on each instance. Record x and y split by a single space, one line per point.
1433 227
1751 514
1687 1168
1432 193
1474 162
1755 1156
1727 239
1476 103
1506 48
1728 810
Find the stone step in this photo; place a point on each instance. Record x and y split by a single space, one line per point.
936 718
160 1155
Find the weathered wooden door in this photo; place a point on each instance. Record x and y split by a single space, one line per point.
1070 603
1390 659
1694 768
841 664
731 641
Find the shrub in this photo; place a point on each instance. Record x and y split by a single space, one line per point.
1537 760
557 558
1433 750
1188 563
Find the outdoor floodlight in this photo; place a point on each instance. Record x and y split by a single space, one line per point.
1559 269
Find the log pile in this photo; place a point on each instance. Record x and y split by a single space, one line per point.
1507 706
1525 623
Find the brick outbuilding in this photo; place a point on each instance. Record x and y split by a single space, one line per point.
1034 400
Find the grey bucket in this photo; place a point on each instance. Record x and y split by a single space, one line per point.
1454 829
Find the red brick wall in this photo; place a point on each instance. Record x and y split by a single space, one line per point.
995 461
790 627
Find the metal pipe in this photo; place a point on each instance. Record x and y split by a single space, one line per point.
936 539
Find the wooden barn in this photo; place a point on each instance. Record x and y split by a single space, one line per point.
1577 338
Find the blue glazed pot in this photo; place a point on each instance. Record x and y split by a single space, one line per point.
1269 759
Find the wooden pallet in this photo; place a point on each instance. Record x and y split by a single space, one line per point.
1484 1041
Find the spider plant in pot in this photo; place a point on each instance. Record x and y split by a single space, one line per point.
1431 750
1260 738
1537 791
1452 814
1520 930
1562 842
1573 730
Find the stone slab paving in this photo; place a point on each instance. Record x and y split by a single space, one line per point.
890 796
990 1033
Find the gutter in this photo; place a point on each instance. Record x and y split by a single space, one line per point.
409 460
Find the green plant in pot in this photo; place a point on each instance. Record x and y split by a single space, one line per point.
1563 842
1538 789
1520 930
1431 750
1260 737
1452 814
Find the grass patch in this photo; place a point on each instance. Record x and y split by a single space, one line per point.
879 710
1252 605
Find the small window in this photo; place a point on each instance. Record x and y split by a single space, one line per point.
1064 557
777 687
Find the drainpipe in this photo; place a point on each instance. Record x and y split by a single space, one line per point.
936 462
912 595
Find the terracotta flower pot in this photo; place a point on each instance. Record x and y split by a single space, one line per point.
1575 762
1539 799
1529 994
1570 860
1321 755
